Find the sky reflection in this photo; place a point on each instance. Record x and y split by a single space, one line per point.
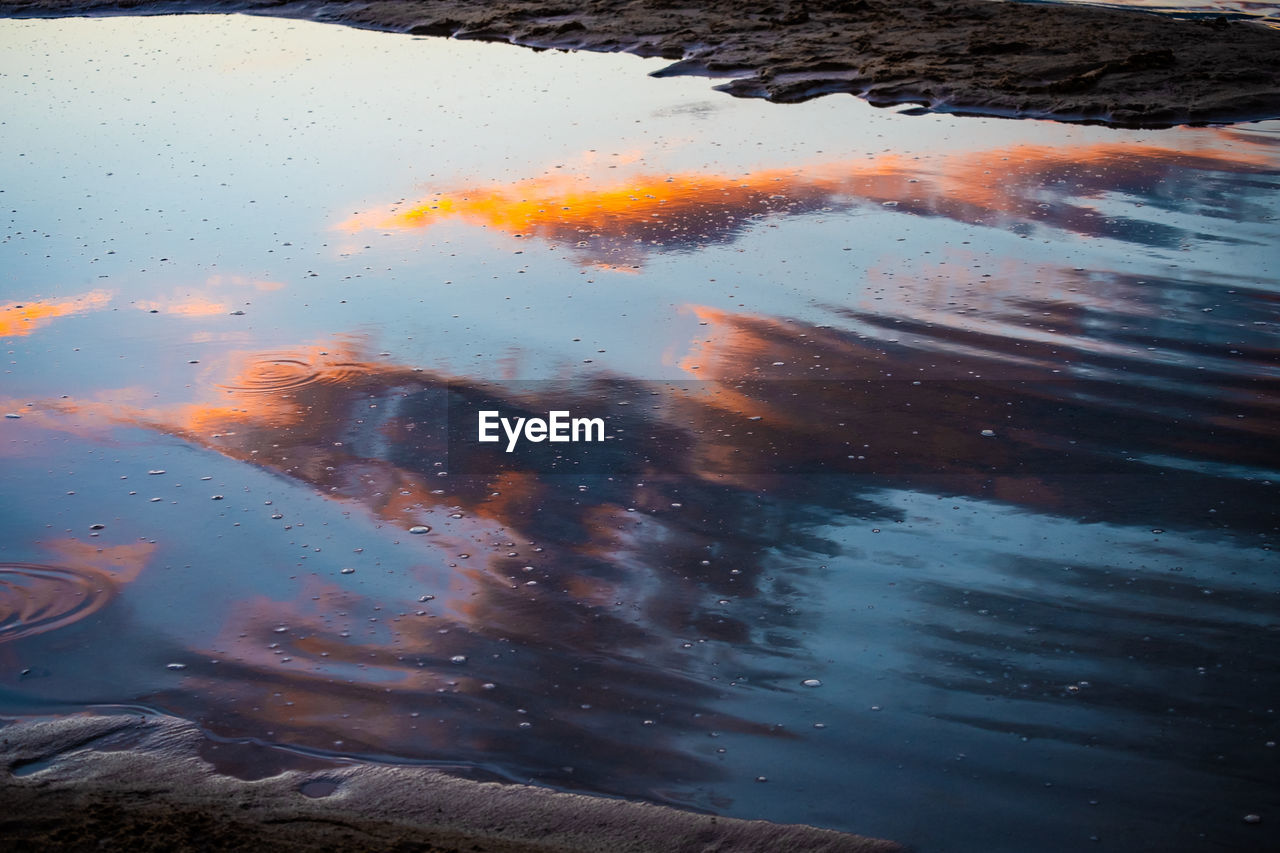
1031 189
22 318
232 364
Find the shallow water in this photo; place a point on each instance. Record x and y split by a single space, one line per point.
1267 12
940 500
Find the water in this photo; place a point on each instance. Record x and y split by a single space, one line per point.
941 503
1265 12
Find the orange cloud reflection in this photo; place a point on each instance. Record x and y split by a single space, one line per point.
616 221
23 318
191 307
122 562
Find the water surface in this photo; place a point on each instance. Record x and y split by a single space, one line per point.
1266 12
941 501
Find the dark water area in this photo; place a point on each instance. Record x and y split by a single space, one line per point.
1265 12
939 498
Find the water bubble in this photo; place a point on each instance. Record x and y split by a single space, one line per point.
176 666
989 433
348 571
156 471
419 529
97 526
458 659
1253 818
811 682
13 415
426 598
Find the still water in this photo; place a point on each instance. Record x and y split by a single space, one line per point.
940 503
1267 11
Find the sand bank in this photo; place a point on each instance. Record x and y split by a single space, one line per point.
134 782
968 56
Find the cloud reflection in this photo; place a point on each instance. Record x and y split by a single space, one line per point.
23 318
79 580
590 622
610 221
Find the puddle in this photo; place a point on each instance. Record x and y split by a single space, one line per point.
940 499
1265 11
316 788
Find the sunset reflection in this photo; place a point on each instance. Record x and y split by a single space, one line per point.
192 306
23 318
607 221
938 494
629 574
78 580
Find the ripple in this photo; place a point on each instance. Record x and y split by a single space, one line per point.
273 372
35 598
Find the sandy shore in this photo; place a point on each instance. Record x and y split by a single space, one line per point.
139 783
969 56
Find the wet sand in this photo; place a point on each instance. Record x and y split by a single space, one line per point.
965 56
117 782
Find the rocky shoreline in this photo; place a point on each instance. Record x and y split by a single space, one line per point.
1071 63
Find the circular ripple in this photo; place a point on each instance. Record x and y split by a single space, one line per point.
35 598
275 372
